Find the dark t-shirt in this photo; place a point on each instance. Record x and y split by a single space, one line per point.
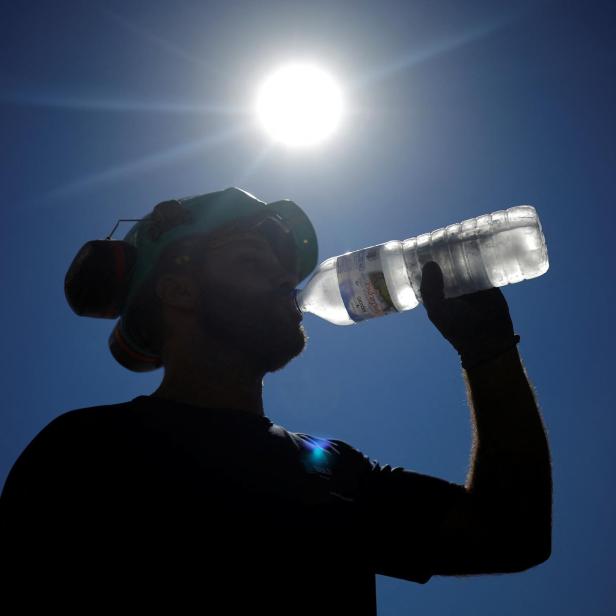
165 503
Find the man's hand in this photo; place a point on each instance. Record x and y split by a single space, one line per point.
478 325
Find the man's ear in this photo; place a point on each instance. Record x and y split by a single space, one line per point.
176 290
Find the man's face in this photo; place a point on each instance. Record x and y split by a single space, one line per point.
246 300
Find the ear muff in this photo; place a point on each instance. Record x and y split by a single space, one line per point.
98 280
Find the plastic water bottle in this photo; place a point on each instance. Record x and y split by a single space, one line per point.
492 250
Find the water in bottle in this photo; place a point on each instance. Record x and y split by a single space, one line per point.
492 250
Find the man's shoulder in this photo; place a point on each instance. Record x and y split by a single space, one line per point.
75 424
93 412
75 435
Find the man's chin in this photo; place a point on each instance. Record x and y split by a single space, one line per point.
281 351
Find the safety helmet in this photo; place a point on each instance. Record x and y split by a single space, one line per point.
107 275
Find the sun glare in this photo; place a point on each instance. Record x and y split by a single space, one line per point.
299 105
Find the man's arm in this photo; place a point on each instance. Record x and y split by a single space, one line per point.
505 524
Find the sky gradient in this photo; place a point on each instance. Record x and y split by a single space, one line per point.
455 110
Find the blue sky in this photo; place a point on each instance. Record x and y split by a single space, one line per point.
459 109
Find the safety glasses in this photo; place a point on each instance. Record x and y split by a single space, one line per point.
272 228
280 238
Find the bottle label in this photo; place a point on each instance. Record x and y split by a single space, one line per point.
362 284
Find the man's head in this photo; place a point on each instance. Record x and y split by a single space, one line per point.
231 284
227 290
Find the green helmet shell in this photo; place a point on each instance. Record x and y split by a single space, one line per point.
209 212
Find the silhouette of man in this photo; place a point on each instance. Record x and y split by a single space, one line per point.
191 498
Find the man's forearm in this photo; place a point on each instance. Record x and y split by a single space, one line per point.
510 469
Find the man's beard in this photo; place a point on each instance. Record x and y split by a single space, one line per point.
269 337
274 350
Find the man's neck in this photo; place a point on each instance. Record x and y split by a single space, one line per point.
213 387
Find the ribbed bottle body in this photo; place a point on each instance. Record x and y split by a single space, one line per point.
492 250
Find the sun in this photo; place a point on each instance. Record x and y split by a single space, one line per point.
299 105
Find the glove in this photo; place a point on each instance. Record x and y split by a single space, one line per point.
477 325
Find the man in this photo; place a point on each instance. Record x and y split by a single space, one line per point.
192 498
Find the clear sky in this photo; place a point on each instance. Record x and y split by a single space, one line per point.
459 109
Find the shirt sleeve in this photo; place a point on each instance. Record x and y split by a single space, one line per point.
49 496
54 531
399 512
44 486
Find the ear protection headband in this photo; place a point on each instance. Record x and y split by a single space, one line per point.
106 275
